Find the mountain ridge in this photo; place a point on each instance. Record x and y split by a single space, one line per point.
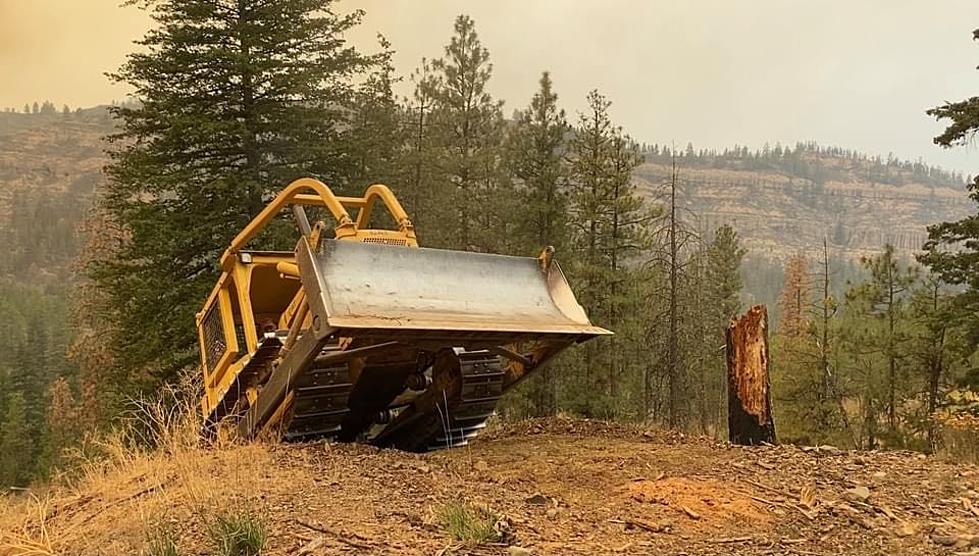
781 200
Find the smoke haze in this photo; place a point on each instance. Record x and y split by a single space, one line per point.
713 72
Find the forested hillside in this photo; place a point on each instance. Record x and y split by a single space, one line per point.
786 199
50 166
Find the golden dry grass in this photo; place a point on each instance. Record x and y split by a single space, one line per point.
148 474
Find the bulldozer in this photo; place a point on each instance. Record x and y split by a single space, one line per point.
361 335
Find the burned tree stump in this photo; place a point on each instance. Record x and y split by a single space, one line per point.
749 404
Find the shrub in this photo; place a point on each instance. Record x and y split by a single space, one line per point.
466 523
238 534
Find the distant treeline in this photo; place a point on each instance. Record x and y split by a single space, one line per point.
811 161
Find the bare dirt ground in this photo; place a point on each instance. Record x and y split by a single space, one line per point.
557 487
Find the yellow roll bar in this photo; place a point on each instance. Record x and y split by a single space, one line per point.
312 192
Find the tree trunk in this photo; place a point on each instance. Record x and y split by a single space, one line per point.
749 404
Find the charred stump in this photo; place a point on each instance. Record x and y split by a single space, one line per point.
749 403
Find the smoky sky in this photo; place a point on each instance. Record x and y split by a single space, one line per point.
711 72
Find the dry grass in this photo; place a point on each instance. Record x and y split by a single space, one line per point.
148 476
467 523
162 541
238 533
959 439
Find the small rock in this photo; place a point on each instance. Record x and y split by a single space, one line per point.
906 529
537 499
944 540
857 494
880 475
552 513
518 551
827 449
503 528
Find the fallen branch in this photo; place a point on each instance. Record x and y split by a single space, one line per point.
730 540
690 513
809 515
139 494
769 489
652 528
339 536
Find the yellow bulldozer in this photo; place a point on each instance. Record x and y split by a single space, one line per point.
361 335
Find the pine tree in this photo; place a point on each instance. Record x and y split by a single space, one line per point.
720 302
377 137
678 254
535 152
952 249
936 345
609 232
794 298
235 100
724 258
424 194
16 443
467 127
877 312
824 336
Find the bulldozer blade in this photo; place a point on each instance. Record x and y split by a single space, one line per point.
438 294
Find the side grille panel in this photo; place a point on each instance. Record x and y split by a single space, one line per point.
214 343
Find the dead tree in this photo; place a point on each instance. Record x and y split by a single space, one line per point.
749 403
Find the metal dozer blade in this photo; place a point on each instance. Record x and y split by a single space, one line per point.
384 342
357 288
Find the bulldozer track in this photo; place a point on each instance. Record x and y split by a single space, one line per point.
482 387
319 403
320 406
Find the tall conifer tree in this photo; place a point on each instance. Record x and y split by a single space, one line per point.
609 231
952 249
468 130
236 98
535 151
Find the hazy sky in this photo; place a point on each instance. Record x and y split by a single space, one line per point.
714 72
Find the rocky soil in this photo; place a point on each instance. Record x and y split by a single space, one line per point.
554 487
